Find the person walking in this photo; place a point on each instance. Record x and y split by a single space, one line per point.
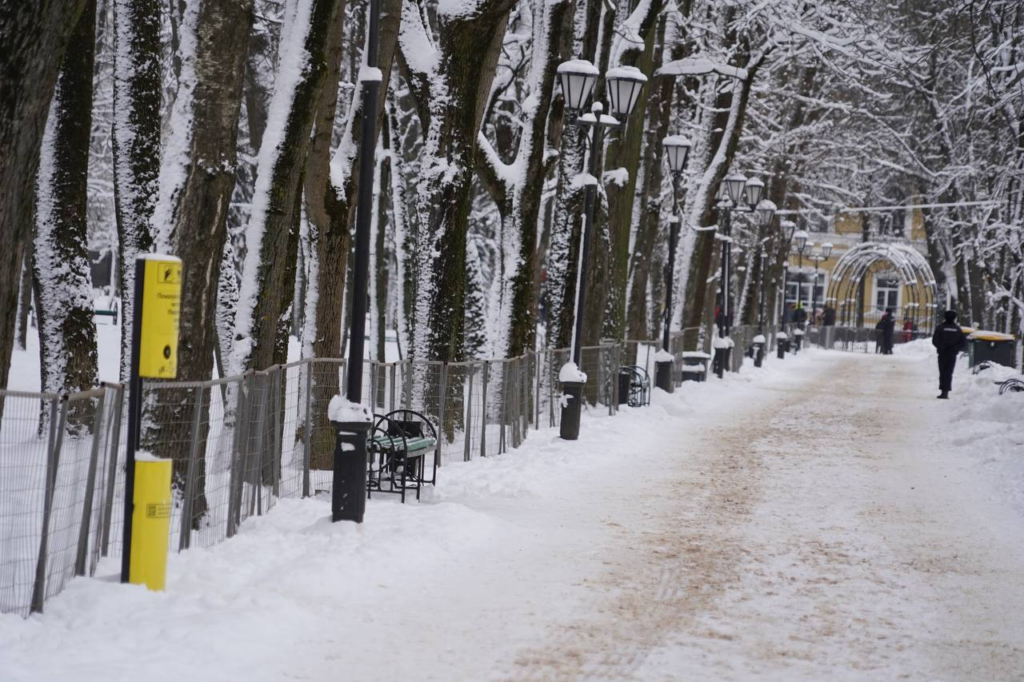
949 340
887 327
800 315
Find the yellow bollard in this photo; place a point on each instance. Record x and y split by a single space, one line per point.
151 522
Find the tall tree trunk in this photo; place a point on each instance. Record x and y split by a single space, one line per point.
451 93
517 187
270 245
35 35
136 144
67 333
627 153
199 227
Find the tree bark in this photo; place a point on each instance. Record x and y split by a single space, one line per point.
136 144
627 153
35 35
271 231
67 333
450 97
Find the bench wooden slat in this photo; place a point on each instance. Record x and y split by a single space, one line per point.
411 444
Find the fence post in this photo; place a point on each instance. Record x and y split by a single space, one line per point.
114 449
184 537
90 487
307 432
536 404
394 372
56 441
468 429
503 407
440 412
483 411
275 474
256 500
241 447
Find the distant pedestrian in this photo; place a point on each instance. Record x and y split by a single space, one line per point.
829 316
887 330
800 315
949 340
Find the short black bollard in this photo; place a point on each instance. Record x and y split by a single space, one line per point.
663 375
781 342
572 407
759 342
625 379
348 496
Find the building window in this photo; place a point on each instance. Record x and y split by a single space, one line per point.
806 289
887 293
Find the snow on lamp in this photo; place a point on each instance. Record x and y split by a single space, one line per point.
624 85
765 211
577 77
826 250
677 148
800 239
734 186
753 191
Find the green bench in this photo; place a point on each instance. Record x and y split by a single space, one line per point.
397 449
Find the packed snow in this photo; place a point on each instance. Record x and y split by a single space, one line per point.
822 518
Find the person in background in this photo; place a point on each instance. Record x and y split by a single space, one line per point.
829 316
800 315
887 327
949 340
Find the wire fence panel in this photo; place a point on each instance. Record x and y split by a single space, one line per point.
239 444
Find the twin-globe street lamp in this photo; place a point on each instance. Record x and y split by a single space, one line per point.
677 148
742 195
623 87
818 257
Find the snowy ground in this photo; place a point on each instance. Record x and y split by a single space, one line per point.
824 518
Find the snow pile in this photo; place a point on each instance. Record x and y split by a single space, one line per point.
343 410
759 339
663 356
570 373
723 342
988 428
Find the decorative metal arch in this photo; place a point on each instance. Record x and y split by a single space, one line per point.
912 268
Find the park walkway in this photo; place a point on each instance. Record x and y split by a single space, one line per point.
796 522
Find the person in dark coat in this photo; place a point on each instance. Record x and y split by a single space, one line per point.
829 316
887 327
800 315
949 340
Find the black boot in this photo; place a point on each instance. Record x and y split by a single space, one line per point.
944 395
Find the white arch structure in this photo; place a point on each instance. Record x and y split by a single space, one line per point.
912 268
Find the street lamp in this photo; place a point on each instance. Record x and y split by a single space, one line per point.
742 195
677 148
623 87
822 254
348 489
765 211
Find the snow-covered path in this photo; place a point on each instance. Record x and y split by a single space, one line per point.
801 522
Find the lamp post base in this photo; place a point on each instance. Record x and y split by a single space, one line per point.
572 409
722 357
758 354
663 376
348 494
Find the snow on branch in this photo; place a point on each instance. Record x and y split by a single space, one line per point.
698 66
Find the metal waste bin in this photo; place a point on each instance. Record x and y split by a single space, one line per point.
985 346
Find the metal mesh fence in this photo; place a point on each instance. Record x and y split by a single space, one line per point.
56 453
239 444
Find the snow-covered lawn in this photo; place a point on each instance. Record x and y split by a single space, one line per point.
822 518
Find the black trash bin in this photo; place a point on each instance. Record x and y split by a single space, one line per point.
985 346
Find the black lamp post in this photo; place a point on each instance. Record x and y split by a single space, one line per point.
823 254
348 491
677 148
765 212
623 86
741 194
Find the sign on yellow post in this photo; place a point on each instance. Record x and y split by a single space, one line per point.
151 522
161 311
